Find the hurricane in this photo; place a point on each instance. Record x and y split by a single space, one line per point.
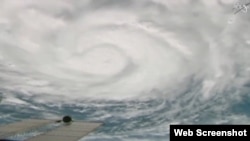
137 66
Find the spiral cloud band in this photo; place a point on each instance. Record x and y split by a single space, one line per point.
113 49
91 49
137 65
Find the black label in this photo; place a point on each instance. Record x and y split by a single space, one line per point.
216 132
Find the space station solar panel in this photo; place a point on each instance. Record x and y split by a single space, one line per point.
72 131
22 126
68 132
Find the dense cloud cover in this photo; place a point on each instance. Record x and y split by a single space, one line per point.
184 51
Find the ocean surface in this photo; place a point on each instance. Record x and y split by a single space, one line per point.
135 65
